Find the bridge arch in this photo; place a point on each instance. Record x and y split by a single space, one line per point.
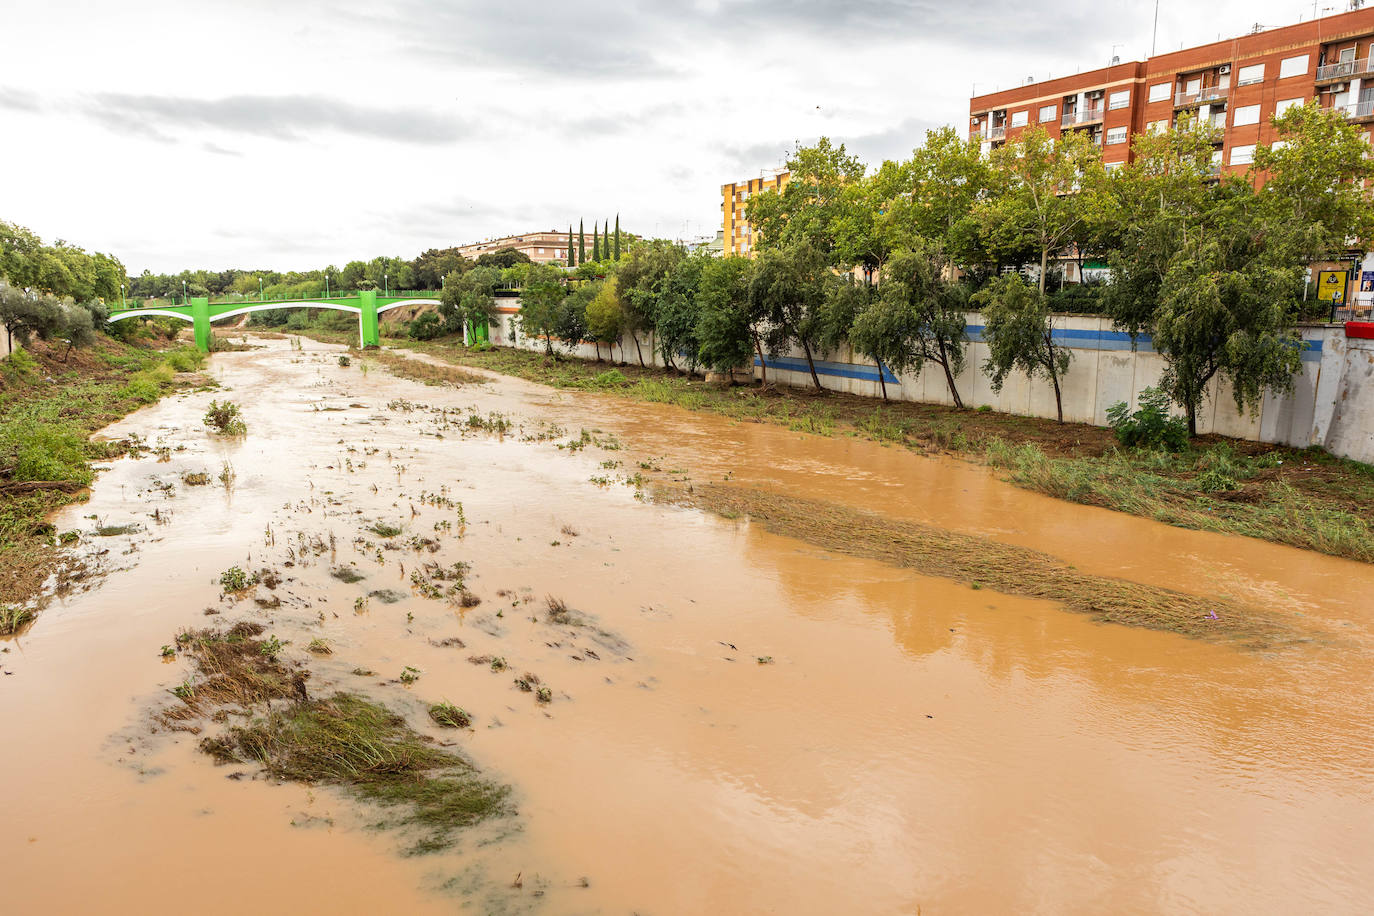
405 302
150 313
271 307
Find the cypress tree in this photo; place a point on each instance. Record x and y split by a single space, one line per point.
617 236
581 242
596 244
606 239
571 262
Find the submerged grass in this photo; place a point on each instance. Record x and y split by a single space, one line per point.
1301 497
988 564
344 740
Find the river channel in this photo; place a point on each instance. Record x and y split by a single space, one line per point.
907 743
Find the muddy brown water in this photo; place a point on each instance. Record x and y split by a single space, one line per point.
915 743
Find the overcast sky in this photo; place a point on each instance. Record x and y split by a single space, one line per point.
279 134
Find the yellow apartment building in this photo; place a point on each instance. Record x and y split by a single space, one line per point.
739 237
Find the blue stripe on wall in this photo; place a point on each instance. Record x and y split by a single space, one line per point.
1073 338
841 370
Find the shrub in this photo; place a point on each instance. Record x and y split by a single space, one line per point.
225 418
234 579
345 362
426 327
1151 426
19 365
185 360
612 378
46 451
298 321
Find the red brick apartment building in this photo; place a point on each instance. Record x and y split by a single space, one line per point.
542 247
1236 85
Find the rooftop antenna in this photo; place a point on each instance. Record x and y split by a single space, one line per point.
1115 58
1154 36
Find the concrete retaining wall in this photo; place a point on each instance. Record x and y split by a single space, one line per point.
1331 403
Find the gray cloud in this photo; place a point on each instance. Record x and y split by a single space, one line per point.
18 99
289 117
219 150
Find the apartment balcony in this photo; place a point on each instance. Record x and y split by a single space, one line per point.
1344 70
1360 111
977 136
997 133
1079 118
1200 97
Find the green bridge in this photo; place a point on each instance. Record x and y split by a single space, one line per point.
367 305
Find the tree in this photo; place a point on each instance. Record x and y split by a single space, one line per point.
581 242
675 320
788 288
813 206
540 299
917 317
617 236
502 258
729 332
606 317
571 326
643 277
469 299
572 258
26 315
1020 335
1043 191
596 244
1212 270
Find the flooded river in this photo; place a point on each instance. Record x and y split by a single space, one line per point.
910 743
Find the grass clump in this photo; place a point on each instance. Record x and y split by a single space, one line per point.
450 716
344 740
344 361
349 741
195 479
385 530
225 419
12 619
234 579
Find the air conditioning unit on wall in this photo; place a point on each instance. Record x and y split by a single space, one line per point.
1224 68
1341 87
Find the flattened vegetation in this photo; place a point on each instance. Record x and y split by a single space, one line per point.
343 740
425 372
1002 567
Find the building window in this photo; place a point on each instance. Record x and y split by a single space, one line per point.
1116 135
1252 74
1159 92
1242 155
1280 144
1047 113
1112 166
1248 114
1293 66
1119 100
1284 105
1158 127
1019 119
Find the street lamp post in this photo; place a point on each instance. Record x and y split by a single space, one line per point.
183 292
259 289
121 295
326 284
386 283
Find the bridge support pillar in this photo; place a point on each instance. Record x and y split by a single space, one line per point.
200 323
367 320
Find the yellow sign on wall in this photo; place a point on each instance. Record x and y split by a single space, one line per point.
1331 285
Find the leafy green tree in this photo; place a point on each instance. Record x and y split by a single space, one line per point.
1043 191
541 296
502 258
643 280
729 332
606 317
814 205
675 320
788 287
571 322
918 317
26 315
1018 331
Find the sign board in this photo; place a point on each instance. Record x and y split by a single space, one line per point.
1367 281
1331 285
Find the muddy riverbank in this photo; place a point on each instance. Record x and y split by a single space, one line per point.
736 720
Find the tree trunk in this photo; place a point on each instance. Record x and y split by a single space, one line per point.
548 345
811 364
1044 266
949 376
1058 396
597 344
637 350
882 382
763 366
